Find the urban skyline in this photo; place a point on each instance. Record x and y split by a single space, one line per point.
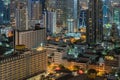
59 40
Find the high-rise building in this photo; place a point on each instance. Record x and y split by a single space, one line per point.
31 38
34 12
72 19
21 16
34 9
13 5
82 19
51 5
23 66
59 7
52 22
27 13
107 12
4 11
67 14
95 21
116 15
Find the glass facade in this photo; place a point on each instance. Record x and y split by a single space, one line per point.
4 11
82 19
116 17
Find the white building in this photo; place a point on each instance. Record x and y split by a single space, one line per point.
30 38
52 22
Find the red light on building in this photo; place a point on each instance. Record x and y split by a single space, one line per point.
80 72
57 69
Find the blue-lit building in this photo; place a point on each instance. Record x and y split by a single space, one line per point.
4 12
82 19
116 16
107 13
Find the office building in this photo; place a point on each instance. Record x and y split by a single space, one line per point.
23 66
13 5
67 14
82 18
61 14
21 16
4 12
116 16
31 38
34 12
43 2
107 12
34 9
95 22
50 5
52 22
27 14
72 19
58 6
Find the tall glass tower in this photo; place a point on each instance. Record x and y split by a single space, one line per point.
116 16
72 10
4 12
105 12
95 22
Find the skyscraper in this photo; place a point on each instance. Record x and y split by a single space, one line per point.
106 12
34 12
34 9
13 5
21 16
116 14
58 6
52 22
72 11
95 22
4 11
